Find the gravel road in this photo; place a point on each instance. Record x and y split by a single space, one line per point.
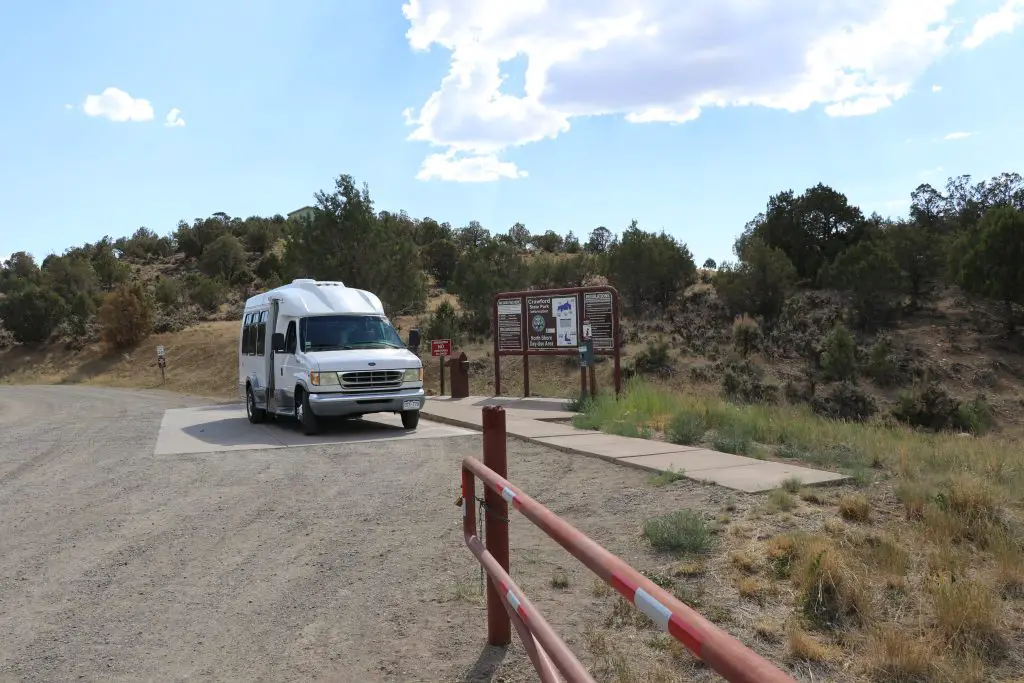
311 562
331 562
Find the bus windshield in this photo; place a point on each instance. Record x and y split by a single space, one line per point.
343 332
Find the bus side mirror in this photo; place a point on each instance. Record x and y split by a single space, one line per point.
277 342
414 339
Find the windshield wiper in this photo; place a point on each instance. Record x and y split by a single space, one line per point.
361 345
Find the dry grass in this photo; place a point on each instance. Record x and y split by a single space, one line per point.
812 496
917 577
753 588
560 579
767 631
744 561
968 615
802 646
1009 568
780 501
830 584
893 655
201 361
689 568
855 507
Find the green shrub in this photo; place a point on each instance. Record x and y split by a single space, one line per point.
269 266
882 368
224 258
975 416
932 407
744 381
31 313
168 291
175 319
746 335
207 293
126 316
654 359
839 354
686 429
735 442
443 323
846 401
666 477
684 532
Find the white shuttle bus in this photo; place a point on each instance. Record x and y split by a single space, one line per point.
330 351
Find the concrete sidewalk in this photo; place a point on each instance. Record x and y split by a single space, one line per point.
540 421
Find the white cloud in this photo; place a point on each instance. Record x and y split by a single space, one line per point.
69 106
650 61
117 105
931 172
936 88
1008 17
173 118
958 135
476 168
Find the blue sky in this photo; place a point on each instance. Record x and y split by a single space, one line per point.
277 102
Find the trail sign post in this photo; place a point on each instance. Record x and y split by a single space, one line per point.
161 361
557 322
441 348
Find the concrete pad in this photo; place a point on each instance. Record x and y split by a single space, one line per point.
609 446
689 461
763 475
211 429
535 429
519 408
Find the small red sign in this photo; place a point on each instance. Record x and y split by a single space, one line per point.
440 347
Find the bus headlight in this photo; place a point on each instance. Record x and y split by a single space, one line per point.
323 379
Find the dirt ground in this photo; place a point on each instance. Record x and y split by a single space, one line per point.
330 562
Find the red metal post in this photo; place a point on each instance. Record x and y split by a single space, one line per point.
442 359
499 628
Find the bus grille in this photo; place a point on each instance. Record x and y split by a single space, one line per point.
370 381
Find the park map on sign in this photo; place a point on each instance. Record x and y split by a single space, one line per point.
553 321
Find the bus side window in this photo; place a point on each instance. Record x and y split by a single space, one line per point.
289 338
251 336
245 334
261 334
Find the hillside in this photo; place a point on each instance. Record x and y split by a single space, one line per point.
860 317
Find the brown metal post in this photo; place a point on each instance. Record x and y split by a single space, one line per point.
494 334
526 375
499 628
442 359
583 383
617 346
593 380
